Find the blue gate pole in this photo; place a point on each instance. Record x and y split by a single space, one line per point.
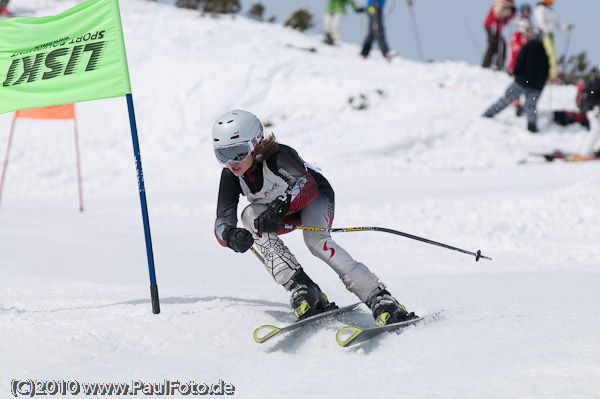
142 189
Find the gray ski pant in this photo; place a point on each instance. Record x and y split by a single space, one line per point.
282 264
513 92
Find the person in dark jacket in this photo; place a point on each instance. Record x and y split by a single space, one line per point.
284 190
531 72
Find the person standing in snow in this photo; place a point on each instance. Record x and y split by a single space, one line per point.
3 10
545 19
283 189
376 29
523 30
501 12
334 15
531 72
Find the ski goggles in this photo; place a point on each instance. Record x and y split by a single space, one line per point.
233 153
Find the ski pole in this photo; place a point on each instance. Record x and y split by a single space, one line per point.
477 254
499 47
413 19
258 255
564 57
390 9
472 36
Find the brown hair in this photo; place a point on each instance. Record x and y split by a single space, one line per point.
266 148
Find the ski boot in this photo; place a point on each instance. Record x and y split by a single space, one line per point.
386 309
328 39
532 127
306 298
519 110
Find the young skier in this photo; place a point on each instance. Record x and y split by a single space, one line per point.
501 12
531 72
334 15
545 19
283 189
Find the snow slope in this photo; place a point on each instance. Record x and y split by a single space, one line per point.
74 297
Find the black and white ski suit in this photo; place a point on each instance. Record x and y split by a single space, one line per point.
312 204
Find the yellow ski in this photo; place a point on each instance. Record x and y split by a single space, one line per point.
350 335
263 333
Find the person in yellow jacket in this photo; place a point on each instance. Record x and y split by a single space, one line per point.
545 19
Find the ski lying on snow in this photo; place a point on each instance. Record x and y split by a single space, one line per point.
569 157
309 49
351 335
263 333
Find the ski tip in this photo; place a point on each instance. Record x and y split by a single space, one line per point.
347 334
263 333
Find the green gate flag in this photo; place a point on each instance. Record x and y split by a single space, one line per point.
75 56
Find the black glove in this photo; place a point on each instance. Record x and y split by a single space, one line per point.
360 9
270 220
280 205
240 240
267 222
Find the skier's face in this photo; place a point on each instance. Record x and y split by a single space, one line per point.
239 168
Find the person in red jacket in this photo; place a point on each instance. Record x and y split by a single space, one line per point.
522 33
500 14
3 10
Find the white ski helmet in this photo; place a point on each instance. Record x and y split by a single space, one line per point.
235 135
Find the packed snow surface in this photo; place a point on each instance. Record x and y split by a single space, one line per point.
74 287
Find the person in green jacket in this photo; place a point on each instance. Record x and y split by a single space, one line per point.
336 10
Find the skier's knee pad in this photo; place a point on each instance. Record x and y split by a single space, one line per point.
250 213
